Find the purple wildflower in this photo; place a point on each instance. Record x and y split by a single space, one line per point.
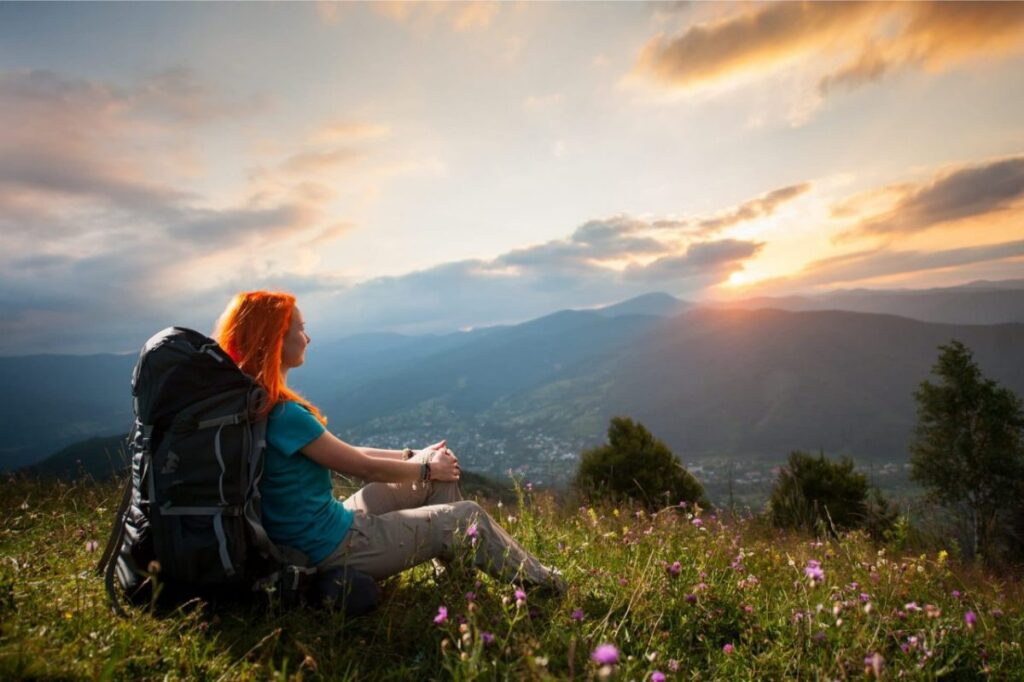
813 571
697 522
728 648
691 598
486 637
955 594
442 615
520 597
970 618
996 613
865 597
605 654
657 676
673 665
577 615
471 596
674 568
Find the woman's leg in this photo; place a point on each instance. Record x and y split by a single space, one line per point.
386 544
381 498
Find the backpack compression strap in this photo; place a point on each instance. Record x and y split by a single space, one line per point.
108 561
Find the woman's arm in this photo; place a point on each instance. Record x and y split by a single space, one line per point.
383 454
396 454
330 451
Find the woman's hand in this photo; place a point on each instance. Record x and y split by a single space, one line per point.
430 449
444 467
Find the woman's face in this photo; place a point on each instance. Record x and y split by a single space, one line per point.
293 349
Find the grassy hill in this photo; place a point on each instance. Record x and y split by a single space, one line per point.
739 604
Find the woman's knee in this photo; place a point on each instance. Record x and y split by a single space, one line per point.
468 509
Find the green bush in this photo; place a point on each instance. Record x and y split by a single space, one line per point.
636 465
817 494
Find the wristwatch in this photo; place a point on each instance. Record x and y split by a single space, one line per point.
425 471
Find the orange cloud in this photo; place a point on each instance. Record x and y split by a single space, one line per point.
462 16
345 130
763 205
952 194
312 161
856 42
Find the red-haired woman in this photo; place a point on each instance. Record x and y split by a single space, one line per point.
412 513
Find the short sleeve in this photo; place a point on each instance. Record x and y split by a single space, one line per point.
292 427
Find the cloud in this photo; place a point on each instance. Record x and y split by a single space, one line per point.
184 265
347 130
719 259
967 191
883 262
99 239
460 16
754 39
312 161
760 207
601 261
848 44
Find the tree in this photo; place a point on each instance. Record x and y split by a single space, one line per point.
968 449
636 465
814 492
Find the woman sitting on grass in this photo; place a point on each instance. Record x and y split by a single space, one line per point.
414 511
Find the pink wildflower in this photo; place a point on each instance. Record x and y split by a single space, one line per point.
442 615
813 571
605 654
657 676
728 648
674 568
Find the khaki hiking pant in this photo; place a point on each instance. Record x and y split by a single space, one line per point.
399 525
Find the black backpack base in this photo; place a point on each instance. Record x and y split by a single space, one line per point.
334 589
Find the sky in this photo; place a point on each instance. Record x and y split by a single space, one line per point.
428 167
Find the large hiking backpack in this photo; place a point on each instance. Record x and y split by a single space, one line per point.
190 519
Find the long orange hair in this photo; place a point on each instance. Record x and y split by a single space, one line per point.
251 330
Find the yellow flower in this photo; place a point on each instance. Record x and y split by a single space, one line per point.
941 558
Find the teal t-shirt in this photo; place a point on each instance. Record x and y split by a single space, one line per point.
299 508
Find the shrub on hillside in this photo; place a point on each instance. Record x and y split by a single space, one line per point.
636 465
814 493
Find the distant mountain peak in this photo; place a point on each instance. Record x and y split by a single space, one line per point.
656 303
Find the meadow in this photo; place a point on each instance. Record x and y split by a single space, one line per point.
680 594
